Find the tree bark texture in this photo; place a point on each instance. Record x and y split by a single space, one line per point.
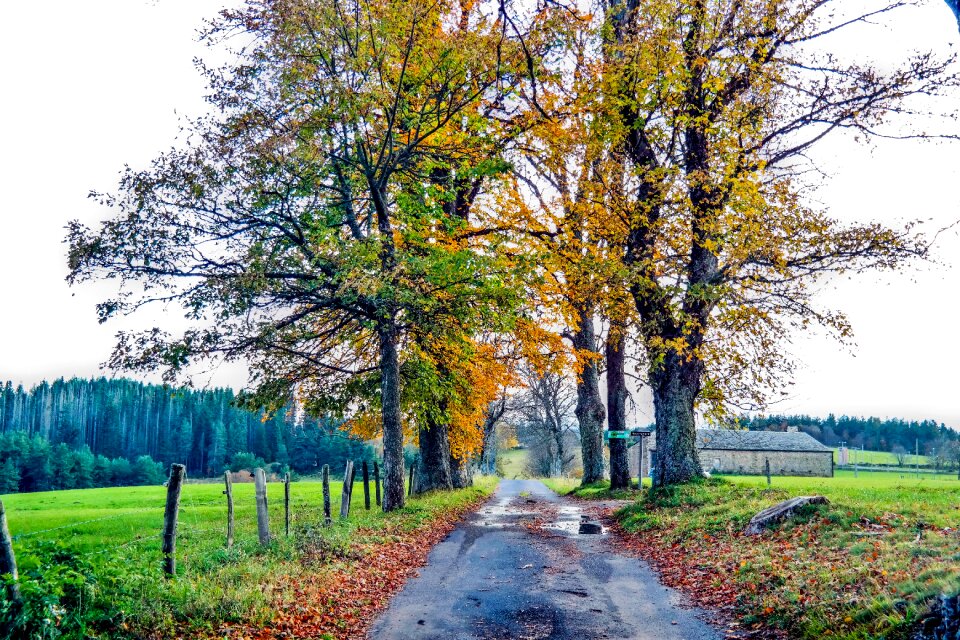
676 383
488 454
8 561
326 495
559 453
263 512
393 497
461 473
434 461
617 407
171 514
228 491
590 412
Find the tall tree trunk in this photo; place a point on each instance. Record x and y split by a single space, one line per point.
393 494
676 383
590 412
617 407
433 471
488 452
461 473
560 452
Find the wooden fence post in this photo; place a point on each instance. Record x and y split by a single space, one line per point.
366 486
376 479
263 514
170 514
413 475
326 495
346 489
766 468
8 562
286 503
228 482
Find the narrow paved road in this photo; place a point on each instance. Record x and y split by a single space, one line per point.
519 570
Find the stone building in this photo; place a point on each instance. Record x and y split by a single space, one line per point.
791 453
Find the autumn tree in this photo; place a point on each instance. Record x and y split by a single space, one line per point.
459 393
558 212
716 107
545 407
496 411
303 227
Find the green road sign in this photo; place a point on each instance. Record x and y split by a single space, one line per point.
616 435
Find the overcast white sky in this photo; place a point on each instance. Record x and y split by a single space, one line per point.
89 86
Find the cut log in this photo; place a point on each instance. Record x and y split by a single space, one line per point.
780 512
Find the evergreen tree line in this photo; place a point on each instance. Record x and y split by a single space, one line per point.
83 433
30 463
870 433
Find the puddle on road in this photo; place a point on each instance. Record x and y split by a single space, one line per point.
569 519
510 512
502 514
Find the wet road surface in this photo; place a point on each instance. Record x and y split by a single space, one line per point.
519 570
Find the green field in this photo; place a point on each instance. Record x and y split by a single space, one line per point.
512 463
848 479
881 458
97 520
865 566
90 560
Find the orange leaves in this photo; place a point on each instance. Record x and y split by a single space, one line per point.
340 601
484 378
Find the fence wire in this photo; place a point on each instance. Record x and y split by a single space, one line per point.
194 520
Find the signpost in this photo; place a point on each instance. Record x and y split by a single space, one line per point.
638 436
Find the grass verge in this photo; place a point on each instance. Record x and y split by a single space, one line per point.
866 566
90 562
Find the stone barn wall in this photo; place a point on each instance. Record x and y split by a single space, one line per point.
782 463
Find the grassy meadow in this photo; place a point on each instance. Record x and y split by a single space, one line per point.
865 566
886 458
512 463
90 560
96 520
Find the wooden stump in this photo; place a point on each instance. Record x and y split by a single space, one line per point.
326 495
228 491
286 504
263 514
366 486
170 515
8 561
346 490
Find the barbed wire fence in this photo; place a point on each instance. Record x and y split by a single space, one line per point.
184 515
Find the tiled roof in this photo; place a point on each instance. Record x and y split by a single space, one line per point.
741 440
